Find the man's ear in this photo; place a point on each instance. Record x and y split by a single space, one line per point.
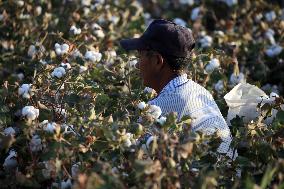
160 61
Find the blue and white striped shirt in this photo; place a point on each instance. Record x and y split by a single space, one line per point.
184 96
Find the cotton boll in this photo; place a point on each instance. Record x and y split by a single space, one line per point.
11 162
186 2
206 41
65 65
93 56
212 65
35 144
154 111
270 16
75 31
38 10
148 90
195 13
236 79
25 90
30 112
66 184
82 69
219 86
9 131
269 34
58 72
31 51
133 63
162 120
273 50
180 21
149 141
61 49
75 169
50 127
142 105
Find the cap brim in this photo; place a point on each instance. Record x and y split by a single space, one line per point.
132 44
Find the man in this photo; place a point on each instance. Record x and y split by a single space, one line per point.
165 49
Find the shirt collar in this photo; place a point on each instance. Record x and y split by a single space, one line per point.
175 82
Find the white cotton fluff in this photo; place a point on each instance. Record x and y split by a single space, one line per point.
97 30
219 86
82 69
31 51
58 72
186 2
236 79
86 2
206 41
10 162
75 169
133 63
114 19
20 3
212 65
25 90
9 131
149 141
148 90
66 65
195 13
75 31
270 16
30 112
66 184
142 105
180 21
273 50
269 34
38 10
162 120
154 111
127 141
50 127
230 2
61 49
35 144
93 56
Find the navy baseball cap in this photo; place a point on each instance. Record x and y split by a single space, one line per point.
165 37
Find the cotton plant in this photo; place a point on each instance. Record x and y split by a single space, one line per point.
212 65
25 90
10 163
273 50
30 112
9 131
206 41
61 49
74 30
93 56
58 72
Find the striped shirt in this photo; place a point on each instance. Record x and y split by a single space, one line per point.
184 96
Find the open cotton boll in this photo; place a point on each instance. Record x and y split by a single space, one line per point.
35 144
58 72
154 111
269 34
162 120
180 21
61 49
30 112
75 169
212 65
219 86
142 105
195 13
65 65
236 79
148 90
206 41
75 31
11 162
66 184
25 90
186 2
50 127
93 56
31 51
9 131
230 2
273 50
82 69
270 16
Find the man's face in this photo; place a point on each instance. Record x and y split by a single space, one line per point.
146 67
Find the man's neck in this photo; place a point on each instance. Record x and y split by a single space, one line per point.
164 81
